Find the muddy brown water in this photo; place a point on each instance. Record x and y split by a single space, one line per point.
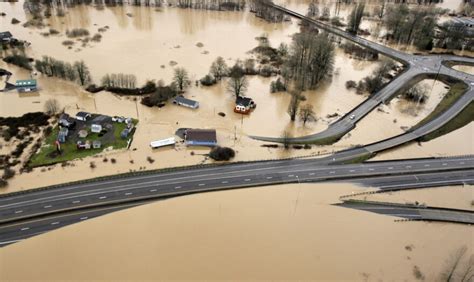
296 235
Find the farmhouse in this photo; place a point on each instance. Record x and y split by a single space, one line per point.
28 85
200 137
180 100
83 116
243 105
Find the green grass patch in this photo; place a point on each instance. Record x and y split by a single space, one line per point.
69 149
456 91
463 118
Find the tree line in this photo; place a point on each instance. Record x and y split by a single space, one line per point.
77 71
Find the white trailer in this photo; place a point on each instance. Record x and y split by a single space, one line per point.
163 142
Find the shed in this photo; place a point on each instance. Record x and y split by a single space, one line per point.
27 85
96 144
162 142
96 128
62 134
200 137
82 133
244 105
124 134
180 100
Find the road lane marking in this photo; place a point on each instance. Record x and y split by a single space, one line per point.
290 175
201 184
47 207
225 182
351 170
153 190
427 165
177 187
269 177
408 166
312 173
371 169
247 180
55 223
461 163
128 194
20 211
76 202
103 197
84 218
445 164
391 167
24 228
332 172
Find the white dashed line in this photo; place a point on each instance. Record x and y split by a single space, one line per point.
408 166
312 173
332 172
290 175
427 165
76 202
24 228
390 167
103 197
84 218
128 194
247 180
351 170
55 223
371 169
201 184
225 182
445 164
153 190
47 207
177 187
269 177
18 211
461 163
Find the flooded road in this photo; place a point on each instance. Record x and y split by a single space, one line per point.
296 235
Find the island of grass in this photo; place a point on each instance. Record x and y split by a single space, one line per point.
110 137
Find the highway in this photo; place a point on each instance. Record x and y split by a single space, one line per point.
413 212
33 212
417 67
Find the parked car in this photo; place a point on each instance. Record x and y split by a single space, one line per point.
119 119
352 117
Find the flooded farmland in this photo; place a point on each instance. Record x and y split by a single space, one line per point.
298 235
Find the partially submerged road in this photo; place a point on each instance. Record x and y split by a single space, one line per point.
413 212
33 212
417 67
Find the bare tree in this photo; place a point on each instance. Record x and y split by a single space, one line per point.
306 113
83 73
219 68
355 18
51 106
294 104
453 265
181 78
237 83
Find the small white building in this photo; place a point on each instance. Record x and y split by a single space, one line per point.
162 143
96 128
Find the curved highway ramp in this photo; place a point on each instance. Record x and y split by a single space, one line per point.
412 211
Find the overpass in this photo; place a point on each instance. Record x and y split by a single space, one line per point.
417 67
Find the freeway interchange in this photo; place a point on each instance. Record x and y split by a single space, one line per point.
29 213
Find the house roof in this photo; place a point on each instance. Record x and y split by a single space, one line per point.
64 116
186 101
26 82
82 114
244 101
201 135
5 34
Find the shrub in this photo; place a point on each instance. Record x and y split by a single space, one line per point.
68 43
96 38
277 86
15 21
351 84
92 165
18 60
3 183
112 160
150 159
53 31
208 80
8 173
77 32
222 153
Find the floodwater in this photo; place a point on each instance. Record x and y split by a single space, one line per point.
466 69
296 235
454 197
157 36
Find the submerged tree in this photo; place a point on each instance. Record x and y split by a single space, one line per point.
51 107
237 83
181 78
83 73
219 68
355 18
294 104
306 113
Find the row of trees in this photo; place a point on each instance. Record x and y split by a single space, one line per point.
233 5
119 80
77 72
